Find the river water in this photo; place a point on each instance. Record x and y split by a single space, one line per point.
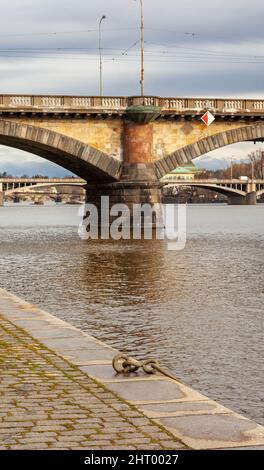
199 311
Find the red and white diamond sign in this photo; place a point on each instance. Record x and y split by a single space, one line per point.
208 118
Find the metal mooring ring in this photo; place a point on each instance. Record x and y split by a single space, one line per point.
124 364
119 363
149 366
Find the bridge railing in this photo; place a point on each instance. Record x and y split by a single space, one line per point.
174 179
83 102
116 103
220 105
42 180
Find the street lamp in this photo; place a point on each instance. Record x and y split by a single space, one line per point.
231 168
252 170
100 55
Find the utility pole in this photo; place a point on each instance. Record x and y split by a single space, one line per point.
252 171
231 169
100 55
142 49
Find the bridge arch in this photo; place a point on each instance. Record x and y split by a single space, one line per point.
82 159
28 189
185 154
260 192
225 190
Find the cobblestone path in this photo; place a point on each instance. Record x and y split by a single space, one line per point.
47 403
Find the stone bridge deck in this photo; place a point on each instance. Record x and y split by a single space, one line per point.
78 106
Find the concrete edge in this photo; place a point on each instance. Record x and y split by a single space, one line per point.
195 419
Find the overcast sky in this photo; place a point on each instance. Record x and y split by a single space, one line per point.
193 48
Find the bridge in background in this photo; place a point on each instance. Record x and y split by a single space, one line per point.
124 146
238 192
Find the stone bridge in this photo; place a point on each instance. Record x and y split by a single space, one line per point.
238 192
9 186
123 146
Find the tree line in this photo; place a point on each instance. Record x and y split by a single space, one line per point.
253 167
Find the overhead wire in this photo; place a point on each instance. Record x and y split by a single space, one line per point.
170 53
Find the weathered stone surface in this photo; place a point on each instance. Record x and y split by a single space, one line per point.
138 391
79 413
64 148
245 448
129 142
104 135
209 431
138 142
182 408
199 140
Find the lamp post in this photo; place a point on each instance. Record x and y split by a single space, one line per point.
100 55
231 169
252 170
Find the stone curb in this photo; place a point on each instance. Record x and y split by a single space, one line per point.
197 421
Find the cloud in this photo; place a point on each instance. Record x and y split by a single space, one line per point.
18 163
218 60
221 158
220 26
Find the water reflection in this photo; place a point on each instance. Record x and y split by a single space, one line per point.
132 270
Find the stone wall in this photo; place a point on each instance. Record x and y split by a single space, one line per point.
173 135
103 134
107 135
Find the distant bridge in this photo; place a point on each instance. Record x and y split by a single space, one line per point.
239 192
10 186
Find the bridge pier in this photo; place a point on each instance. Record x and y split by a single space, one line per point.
249 200
138 184
130 193
2 198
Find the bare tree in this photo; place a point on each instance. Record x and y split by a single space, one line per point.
254 164
257 160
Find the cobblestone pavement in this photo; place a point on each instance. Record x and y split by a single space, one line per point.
47 403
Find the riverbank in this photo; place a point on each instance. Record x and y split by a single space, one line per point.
49 403
58 391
